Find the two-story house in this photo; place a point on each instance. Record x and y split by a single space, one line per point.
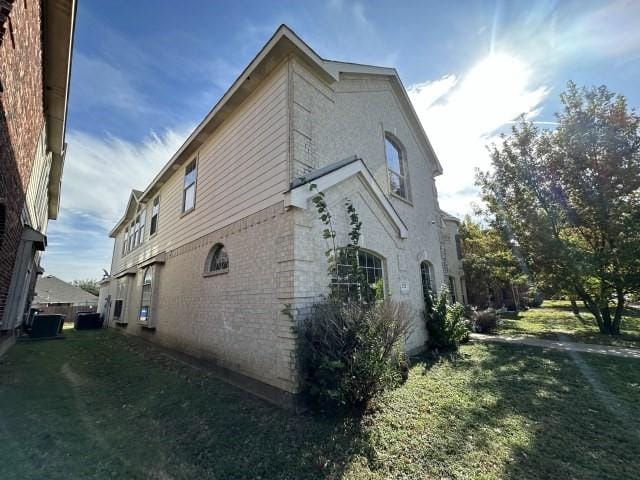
36 39
215 253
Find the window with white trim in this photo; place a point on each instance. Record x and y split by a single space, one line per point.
118 307
349 286
132 236
146 298
189 189
426 275
155 212
217 260
452 289
396 167
125 242
143 220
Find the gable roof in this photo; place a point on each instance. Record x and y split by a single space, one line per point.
51 289
326 177
281 44
448 217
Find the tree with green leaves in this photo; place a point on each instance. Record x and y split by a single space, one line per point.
88 285
490 264
570 197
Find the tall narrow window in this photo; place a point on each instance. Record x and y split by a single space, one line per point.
125 242
147 291
189 191
136 231
395 167
155 211
425 274
118 307
452 289
143 220
132 235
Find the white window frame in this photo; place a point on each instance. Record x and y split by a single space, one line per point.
213 252
186 187
146 296
403 175
155 214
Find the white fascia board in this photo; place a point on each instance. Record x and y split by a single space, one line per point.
300 196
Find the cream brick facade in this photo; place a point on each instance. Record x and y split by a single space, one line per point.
288 115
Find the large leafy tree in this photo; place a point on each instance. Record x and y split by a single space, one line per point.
489 262
570 197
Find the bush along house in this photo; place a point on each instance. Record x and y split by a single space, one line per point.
36 38
222 255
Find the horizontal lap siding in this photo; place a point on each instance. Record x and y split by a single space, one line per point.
242 169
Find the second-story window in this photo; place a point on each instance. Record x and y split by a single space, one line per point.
136 231
143 219
132 236
396 167
189 191
125 245
155 211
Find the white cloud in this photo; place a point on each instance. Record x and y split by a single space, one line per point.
461 116
99 174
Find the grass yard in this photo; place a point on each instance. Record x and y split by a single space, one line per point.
556 317
101 405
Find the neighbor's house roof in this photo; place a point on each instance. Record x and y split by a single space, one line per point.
51 289
449 217
283 42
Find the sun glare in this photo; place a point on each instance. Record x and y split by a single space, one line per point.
499 75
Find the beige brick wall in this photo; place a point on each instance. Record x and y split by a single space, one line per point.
277 256
234 319
350 117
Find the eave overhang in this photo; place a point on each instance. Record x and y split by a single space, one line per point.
300 194
281 45
59 17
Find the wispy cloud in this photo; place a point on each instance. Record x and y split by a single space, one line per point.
98 178
461 115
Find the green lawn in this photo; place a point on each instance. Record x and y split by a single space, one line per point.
100 405
555 318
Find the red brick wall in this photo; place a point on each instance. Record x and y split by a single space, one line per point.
21 120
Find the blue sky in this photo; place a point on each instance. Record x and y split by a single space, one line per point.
146 72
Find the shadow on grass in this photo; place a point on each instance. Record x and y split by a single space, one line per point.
536 414
103 406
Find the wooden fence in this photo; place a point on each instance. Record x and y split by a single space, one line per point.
69 311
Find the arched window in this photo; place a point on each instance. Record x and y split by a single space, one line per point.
147 293
371 264
427 279
217 260
396 167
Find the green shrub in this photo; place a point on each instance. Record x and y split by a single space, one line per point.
446 325
485 321
351 352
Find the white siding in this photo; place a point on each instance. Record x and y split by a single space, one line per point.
37 201
242 168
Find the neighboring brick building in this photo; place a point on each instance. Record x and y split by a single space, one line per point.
35 61
222 254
